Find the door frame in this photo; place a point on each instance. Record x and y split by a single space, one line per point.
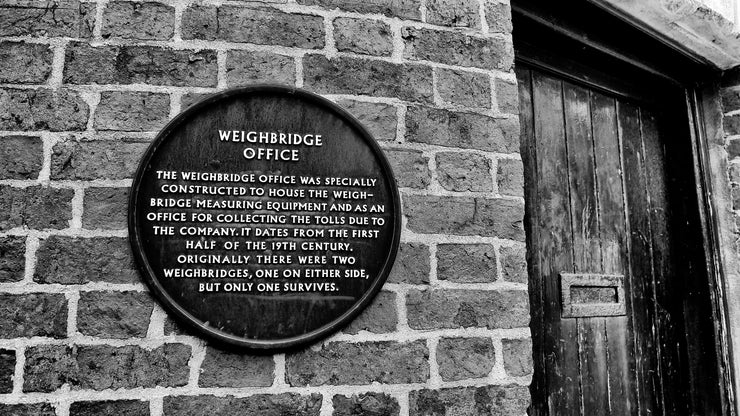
627 41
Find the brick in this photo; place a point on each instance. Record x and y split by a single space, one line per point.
36 207
110 408
30 409
733 148
492 309
404 9
461 172
105 208
463 88
488 217
191 98
455 13
463 358
7 369
463 130
21 157
25 63
33 315
731 124
259 404
42 109
102 367
730 100
229 369
380 119
456 48
514 264
340 363
507 96
365 404
466 263
518 357
412 264
363 36
89 160
487 400
510 177
12 258
132 111
171 327
498 16
258 25
367 77
734 172
379 318
114 314
67 18
247 67
85 64
76 260
142 21
410 167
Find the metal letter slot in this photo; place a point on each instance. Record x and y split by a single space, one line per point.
590 295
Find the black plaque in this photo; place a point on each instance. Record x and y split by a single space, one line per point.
264 217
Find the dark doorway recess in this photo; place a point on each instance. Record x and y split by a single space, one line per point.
628 314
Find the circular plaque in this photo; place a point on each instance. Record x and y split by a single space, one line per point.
264 217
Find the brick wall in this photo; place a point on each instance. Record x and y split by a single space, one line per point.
85 86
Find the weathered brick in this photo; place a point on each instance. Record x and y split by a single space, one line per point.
487 400
21 157
85 64
379 318
464 172
114 314
367 77
466 263
507 96
380 119
731 124
456 13
25 63
142 21
733 148
468 89
191 98
466 130
490 217
88 160
171 327
412 264
730 100
42 109
498 16
365 404
259 25
518 357
461 358
30 409
510 177
514 264
363 36
7 369
132 111
405 9
47 367
110 408
457 48
247 67
33 315
410 167
493 309
105 208
259 404
74 260
734 172
68 18
361 363
735 195
12 258
229 369
36 207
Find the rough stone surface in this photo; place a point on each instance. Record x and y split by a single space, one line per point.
74 260
498 16
465 130
21 157
457 48
468 89
488 400
412 264
31 409
89 160
12 258
404 9
132 111
730 99
33 315
363 36
247 67
733 147
228 369
114 314
518 357
259 404
380 317
510 177
461 172
68 18
143 21
192 98
456 13
380 119
25 63
105 208
514 264
367 77
110 408
731 124
466 263
461 358
36 207
366 404
359 363
410 167
42 109
7 369
493 309
507 96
